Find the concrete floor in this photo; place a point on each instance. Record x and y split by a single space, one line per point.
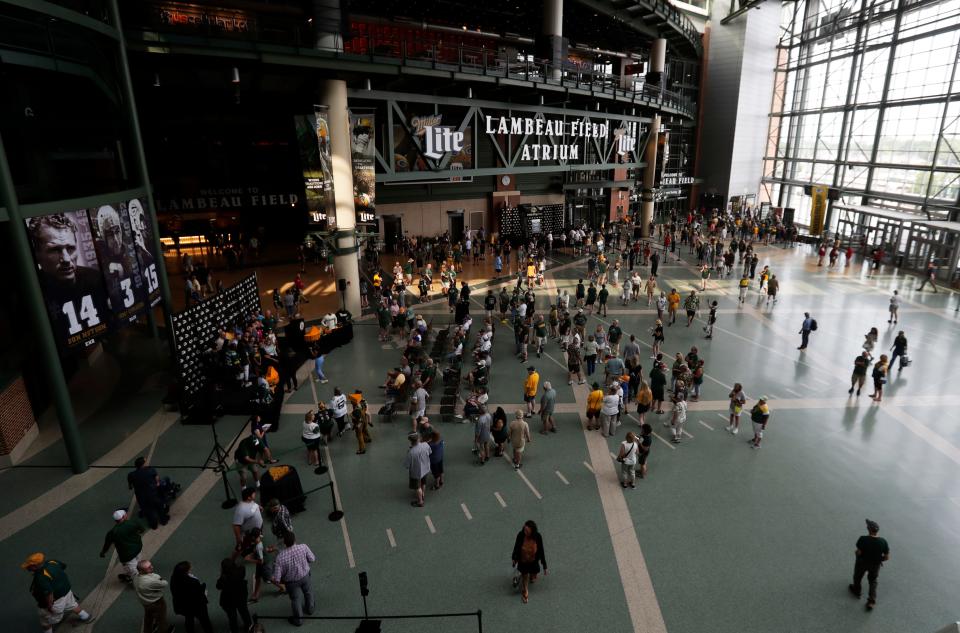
718 537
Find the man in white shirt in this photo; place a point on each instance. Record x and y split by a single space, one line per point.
417 463
246 515
894 307
338 408
418 402
678 418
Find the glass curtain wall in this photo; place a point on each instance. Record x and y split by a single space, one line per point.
867 100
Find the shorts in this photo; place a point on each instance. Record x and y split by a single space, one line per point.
691 313
643 459
573 369
527 398
62 605
519 449
417 483
593 413
311 444
250 468
643 408
436 469
758 429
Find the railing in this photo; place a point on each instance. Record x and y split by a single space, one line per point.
683 23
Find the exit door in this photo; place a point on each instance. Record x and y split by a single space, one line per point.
392 231
456 227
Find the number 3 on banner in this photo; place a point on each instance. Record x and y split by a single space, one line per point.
87 313
152 282
126 286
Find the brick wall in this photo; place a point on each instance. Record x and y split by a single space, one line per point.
16 415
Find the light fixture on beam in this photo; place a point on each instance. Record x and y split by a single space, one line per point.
235 76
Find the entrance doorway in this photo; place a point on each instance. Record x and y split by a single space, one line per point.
455 219
392 231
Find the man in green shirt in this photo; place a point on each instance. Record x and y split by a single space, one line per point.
125 536
248 456
872 551
51 589
614 334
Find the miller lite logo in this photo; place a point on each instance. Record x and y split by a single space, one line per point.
626 143
441 139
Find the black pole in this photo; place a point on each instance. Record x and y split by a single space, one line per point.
220 455
337 513
479 620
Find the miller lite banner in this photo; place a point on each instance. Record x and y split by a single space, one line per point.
313 139
428 143
362 152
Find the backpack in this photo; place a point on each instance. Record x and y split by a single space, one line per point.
813 325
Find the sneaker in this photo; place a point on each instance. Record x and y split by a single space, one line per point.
851 390
582 382
570 382
872 603
458 416
728 428
324 381
858 392
735 430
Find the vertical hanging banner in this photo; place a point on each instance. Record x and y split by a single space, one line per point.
73 288
313 139
113 240
362 151
143 242
818 208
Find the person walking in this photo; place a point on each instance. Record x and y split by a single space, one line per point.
657 338
658 384
125 536
548 401
773 287
609 409
929 276
602 297
899 348
189 597
673 304
759 415
50 588
232 585
711 320
744 286
737 400
651 288
150 587
530 389
628 456
528 557
879 378
894 307
246 516
809 325
417 463
678 418
859 376
292 569
519 432
871 553
436 459
594 404
692 305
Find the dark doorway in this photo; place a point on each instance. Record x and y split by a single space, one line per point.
456 227
392 231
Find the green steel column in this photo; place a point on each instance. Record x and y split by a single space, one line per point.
37 311
142 165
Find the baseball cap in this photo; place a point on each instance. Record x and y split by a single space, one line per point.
531 368
873 526
118 514
764 398
36 558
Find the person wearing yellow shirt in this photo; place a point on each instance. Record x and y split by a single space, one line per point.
744 284
530 389
594 402
673 303
377 280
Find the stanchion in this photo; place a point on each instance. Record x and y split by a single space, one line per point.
218 456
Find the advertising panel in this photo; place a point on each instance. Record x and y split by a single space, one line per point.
818 208
313 139
430 139
362 150
73 287
116 252
143 244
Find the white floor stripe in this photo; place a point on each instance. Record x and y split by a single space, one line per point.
614 457
343 521
466 512
430 527
723 417
536 493
669 445
503 504
799 395
589 467
393 541
688 434
562 478
702 423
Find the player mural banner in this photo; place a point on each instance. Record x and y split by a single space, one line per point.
362 151
73 287
97 269
818 208
116 252
144 247
313 139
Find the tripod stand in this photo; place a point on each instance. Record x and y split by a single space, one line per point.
218 456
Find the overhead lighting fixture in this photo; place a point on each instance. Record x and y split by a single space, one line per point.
156 80
235 76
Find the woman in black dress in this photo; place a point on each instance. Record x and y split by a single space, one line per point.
189 597
232 584
528 557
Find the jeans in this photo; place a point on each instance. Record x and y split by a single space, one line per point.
872 570
896 353
301 596
591 363
805 338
